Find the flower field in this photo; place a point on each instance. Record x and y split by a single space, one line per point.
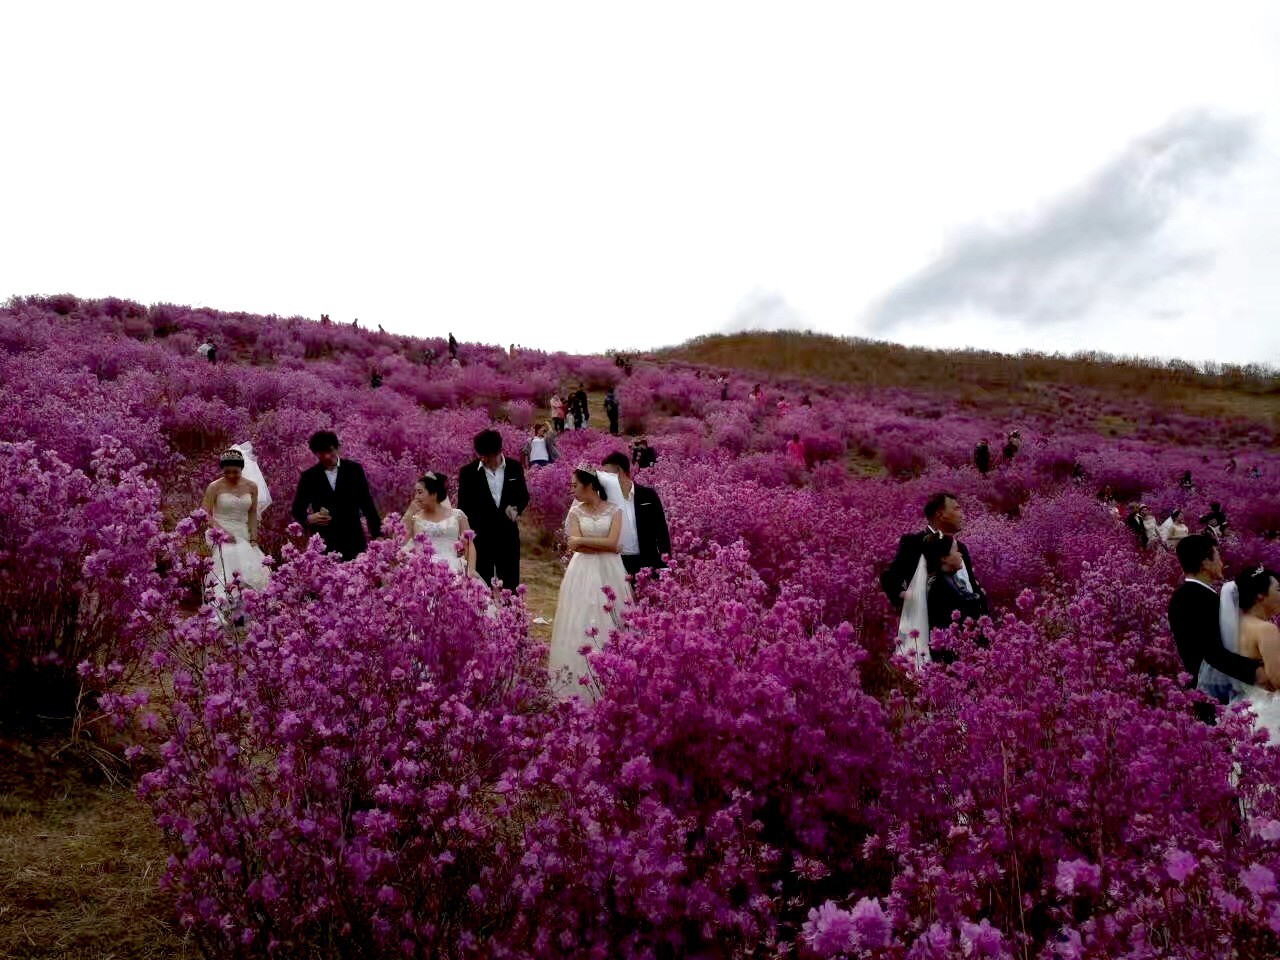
373 765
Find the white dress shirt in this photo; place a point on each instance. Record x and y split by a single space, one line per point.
333 476
496 479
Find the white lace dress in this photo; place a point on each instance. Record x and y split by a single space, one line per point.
581 619
444 536
231 512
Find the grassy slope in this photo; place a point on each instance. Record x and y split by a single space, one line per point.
990 381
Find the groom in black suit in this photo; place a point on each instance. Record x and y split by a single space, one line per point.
645 537
1193 620
492 493
945 518
331 497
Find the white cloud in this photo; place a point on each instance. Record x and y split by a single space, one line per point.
582 175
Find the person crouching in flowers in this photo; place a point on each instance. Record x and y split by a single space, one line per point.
594 587
432 516
234 504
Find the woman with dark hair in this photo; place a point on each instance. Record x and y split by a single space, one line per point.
430 515
1258 592
584 613
234 504
946 594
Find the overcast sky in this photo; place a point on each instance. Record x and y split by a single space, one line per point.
589 175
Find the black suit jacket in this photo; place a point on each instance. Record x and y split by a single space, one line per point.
895 580
651 526
345 503
490 522
1193 620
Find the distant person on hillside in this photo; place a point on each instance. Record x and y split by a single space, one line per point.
643 455
723 382
578 408
540 449
756 394
1255 473
1232 465
982 456
375 379
1011 445
645 538
1186 483
795 452
208 351
324 320
783 407
559 411
1215 521
611 410
453 347
455 363
805 401
331 498
1173 530
492 493
1078 473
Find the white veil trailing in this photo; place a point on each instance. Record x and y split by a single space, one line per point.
1229 616
253 473
913 628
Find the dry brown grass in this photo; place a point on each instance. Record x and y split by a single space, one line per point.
80 863
991 380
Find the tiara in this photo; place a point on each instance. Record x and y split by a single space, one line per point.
587 468
430 475
231 454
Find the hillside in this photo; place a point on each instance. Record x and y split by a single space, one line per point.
373 759
994 382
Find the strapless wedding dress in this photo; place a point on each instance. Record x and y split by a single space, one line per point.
581 619
444 536
231 511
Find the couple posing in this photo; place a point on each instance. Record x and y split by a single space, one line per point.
931 579
1227 642
334 495
615 529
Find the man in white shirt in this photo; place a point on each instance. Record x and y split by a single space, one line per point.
492 493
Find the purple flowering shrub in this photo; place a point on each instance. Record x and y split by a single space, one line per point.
349 768
373 762
77 552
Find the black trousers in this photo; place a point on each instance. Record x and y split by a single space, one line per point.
558 424
632 562
501 560
613 425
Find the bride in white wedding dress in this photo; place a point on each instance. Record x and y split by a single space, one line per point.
234 503
431 515
595 529
1259 599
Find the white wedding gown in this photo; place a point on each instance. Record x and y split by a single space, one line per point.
1265 704
231 512
444 536
580 607
913 625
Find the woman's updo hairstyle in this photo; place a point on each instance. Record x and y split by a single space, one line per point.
589 479
1254 585
936 549
436 485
